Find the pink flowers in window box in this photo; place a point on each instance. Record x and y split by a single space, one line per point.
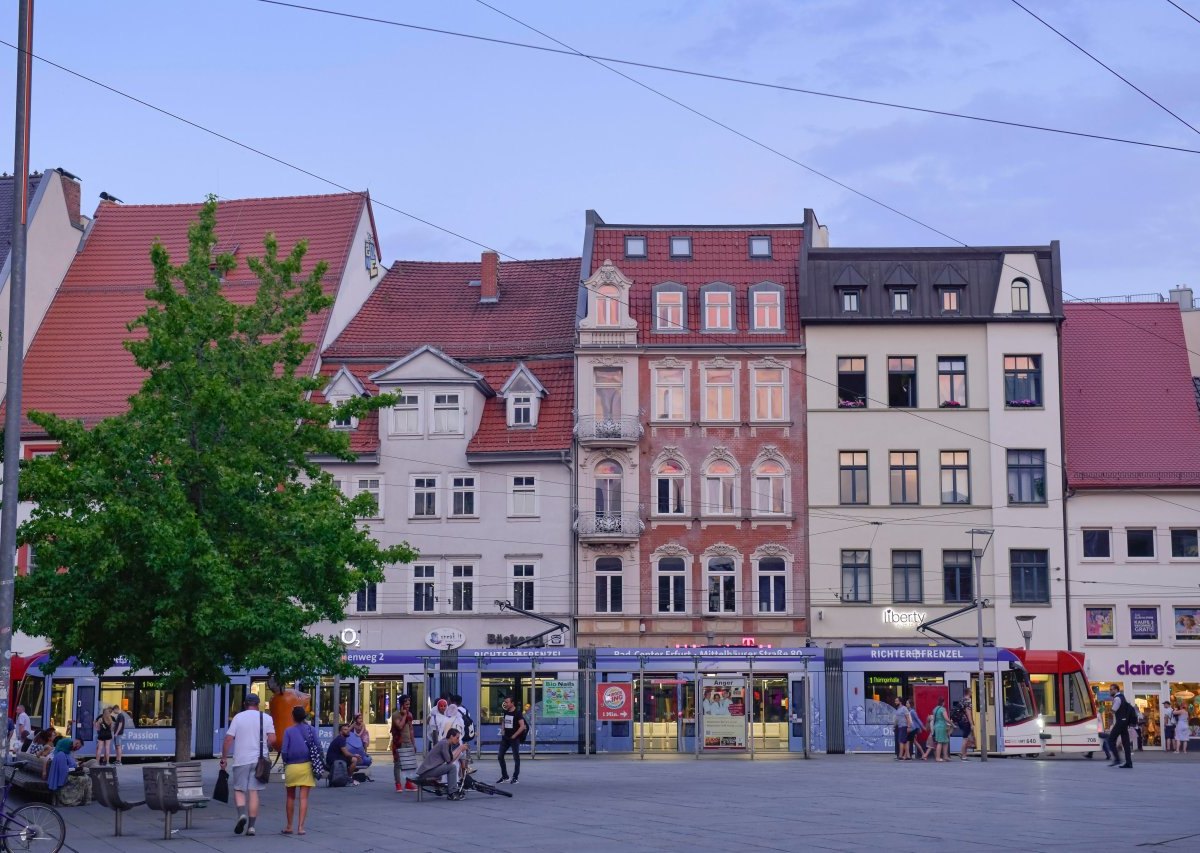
1022 404
951 404
851 404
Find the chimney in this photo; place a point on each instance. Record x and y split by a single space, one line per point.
71 192
489 278
1183 295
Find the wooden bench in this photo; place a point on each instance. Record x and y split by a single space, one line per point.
108 794
190 786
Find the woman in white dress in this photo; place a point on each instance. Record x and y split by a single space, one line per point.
1182 731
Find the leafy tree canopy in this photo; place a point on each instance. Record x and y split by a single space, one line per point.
195 531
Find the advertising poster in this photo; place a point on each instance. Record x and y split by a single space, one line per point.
723 713
1187 623
1143 623
614 700
560 699
1100 623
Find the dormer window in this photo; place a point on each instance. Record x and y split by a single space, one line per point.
900 301
608 305
766 307
681 247
340 421
522 410
635 247
718 308
447 414
522 395
760 247
850 301
950 300
1020 296
670 313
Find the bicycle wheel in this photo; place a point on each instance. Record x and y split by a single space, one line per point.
34 827
490 790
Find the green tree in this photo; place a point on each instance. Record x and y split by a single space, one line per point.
195 531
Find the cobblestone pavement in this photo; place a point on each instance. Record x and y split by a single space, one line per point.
714 804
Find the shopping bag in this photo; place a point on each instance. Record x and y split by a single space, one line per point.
221 789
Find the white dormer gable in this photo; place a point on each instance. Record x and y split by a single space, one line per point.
339 389
1021 290
608 305
523 395
429 366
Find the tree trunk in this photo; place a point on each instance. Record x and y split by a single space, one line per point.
183 719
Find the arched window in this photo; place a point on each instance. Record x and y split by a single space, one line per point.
770 488
670 488
1020 295
608 489
608 305
772 585
720 488
722 585
672 585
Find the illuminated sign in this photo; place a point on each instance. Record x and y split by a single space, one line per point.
903 618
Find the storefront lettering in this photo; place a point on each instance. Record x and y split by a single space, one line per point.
1142 668
903 618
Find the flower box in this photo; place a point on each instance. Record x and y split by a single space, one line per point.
1022 404
852 404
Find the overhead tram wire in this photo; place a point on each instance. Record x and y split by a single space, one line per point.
650 66
727 344
1185 11
1108 68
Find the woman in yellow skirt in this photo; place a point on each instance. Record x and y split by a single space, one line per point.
298 770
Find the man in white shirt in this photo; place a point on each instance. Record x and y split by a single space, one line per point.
243 743
23 726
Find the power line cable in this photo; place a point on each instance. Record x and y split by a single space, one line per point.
1107 68
728 79
1185 11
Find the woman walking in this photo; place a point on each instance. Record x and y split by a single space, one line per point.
104 736
1183 732
941 732
297 768
404 747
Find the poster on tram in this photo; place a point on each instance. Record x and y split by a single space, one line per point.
723 713
560 699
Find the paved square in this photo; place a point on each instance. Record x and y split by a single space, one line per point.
715 804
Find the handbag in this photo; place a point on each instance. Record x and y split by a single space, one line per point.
221 789
314 753
262 767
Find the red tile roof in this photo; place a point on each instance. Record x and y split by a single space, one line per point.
77 366
1128 400
420 303
555 415
719 253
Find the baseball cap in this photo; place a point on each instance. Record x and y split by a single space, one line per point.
251 698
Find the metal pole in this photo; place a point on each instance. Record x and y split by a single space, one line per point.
749 700
533 708
641 700
983 732
696 716
479 708
588 684
804 706
16 347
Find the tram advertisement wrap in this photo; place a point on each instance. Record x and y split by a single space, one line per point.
723 711
614 701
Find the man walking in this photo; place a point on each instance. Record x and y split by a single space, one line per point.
242 741
512 734
1124 715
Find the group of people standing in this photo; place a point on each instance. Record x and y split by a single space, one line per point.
915 739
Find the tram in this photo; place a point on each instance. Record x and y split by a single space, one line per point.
1070 720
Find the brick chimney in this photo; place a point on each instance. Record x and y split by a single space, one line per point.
489 278
71 192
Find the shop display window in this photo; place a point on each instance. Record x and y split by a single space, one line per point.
1143 623
1187 623
1185 695
1099 622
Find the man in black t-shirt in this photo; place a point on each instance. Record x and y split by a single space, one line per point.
512 735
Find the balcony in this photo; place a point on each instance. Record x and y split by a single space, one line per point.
608 526
593 431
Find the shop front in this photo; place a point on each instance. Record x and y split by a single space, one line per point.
1162 683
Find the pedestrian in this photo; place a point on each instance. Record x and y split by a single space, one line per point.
962 719
900 727
104 736
357 741
250 734
1168 727
512 735
298 774
1183 732
404 745
358 727
1124 716
1141 729
941 731
915 730
443 760
118 732
23 727
436 722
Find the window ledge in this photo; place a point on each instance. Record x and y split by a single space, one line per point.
1042 504
1008 408
1100 560
1046 604
424 518
1141 559
672 422
462 518
771 423
1185 559
732 423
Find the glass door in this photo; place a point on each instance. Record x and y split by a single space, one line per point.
770 726
62 705
992 712
379 699
664 714
1146 699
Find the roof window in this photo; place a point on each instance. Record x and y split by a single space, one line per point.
681 247
760 247
635 246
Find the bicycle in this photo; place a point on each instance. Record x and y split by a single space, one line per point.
33 826
468 783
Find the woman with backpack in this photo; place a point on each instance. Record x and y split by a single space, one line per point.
299 775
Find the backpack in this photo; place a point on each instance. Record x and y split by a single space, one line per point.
1127 713
468 726
339 775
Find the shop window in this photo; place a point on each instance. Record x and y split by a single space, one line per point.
1143 623
856 576
1097 544
608 585
852 382
1187 623
902 474
1184 543
1139 543
852 477
1098 622
952 381
958 577
672 585
722 585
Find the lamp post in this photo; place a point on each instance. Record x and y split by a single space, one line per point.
1025 623
977 553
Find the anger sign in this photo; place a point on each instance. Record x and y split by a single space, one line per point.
614 701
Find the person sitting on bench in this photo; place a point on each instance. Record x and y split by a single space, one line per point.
443 760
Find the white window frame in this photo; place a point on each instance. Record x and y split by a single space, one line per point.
777 295
1153 558
711 481
680 390
461 488
709 575
608 306
517 492
763 484
524 572
1171 543
729 308
608 576
1111 545
462 574
851 301
376 490
422 574
350 423
781 385
664 321
682 479
442 406
421 488
632 242
683 575
618 386
402 408
759 574
523 402
707 388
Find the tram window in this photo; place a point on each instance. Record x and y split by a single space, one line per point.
882 688
1045 695
154 706
1077 699
33 697
117 692
237 697
1018 698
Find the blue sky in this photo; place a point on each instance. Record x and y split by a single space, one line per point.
510 147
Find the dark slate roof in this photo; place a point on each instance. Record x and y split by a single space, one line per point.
7 187
976 271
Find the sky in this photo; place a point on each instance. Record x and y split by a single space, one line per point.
509 147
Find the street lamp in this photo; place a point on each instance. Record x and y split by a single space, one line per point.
1025 623
977 553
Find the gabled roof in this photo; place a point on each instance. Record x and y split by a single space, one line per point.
1128 399
77 366
343 379
522 371
433 303
388 375
555 418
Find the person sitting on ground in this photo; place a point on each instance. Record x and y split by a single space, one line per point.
61 763
443 760
340 751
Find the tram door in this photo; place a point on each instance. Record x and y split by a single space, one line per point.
993 714
664 713
771 710
62 704
797 707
